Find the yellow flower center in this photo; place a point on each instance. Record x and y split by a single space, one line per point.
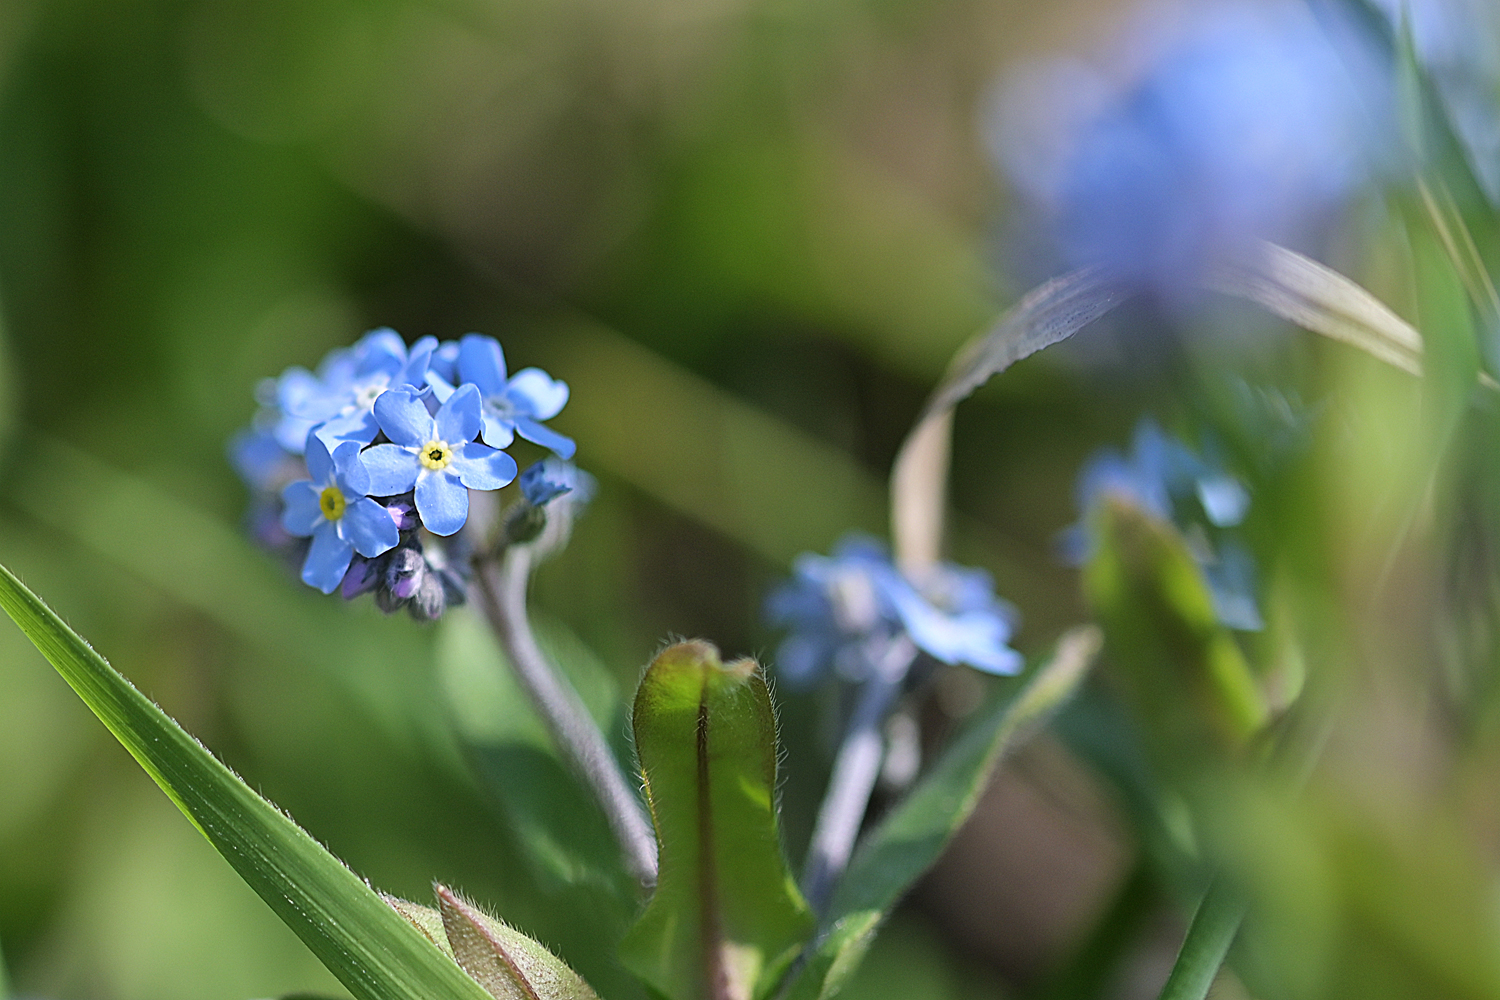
436 455
332 503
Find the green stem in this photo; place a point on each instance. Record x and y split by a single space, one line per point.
1208 939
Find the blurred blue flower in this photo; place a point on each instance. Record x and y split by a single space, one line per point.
334 507
513 405
1168 480
551 478
339 400
436 455
1241 123
834 608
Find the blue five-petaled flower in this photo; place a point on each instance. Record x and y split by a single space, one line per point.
513 405
436 454
335 508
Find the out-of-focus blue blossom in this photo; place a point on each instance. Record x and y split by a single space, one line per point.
551 478
261 461
1168 480
837 608
513 405
339 400
334 507
1457 43
1238 122
435 455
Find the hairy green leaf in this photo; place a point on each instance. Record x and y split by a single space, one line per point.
912 836
726 918
507 963
362 941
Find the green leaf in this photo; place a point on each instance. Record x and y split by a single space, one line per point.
362 941
912 836
1207 943
1183 671
726 918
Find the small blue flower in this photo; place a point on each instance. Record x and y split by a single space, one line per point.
339 400
334 507
514 405
260 459
551 478
834 606
1169 481
435 454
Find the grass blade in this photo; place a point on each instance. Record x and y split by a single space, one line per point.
1207 943
362 941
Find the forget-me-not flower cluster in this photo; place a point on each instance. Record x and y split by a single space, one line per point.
1169 481
839 609
364 467
1218 125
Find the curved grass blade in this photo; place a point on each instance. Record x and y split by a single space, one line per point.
909 840
726 919
1317 298
374 952
1207 943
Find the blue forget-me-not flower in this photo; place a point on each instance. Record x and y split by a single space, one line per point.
513 405
835 607
436 454
1169 481
1221 124
361 471
335 508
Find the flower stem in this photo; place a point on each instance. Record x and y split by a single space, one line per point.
502 591
854 772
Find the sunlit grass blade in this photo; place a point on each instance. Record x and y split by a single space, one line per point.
1207 943
362 941
910 839
1319 299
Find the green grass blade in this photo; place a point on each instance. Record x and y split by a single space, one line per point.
366 944
4 979
1208 939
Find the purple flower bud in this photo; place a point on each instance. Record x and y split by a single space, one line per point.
404 571
403 514
429 599
362 576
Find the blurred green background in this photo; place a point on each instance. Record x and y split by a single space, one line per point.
749 234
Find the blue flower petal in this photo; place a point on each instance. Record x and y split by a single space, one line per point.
319 462
302 513
350 472
458 420
498 430
443 503
392 468
327 559
535 392
369 527
380 350
258 457
562 445
481 361
360 427
403 418
417 362
480 467
301 394
444 362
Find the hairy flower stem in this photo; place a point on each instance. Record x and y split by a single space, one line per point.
854 772
502 591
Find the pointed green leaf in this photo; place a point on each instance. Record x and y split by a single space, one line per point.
912 836
1182 670
372 951
726 918
507 963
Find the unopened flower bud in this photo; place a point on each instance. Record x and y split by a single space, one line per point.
429 599
363 575
404 571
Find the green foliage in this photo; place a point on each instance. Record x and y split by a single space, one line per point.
347 925
910 839
726 918
1208 939
1181 669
